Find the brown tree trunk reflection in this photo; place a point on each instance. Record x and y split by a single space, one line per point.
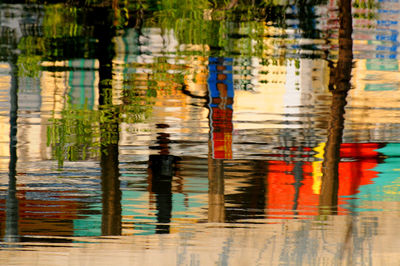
340 85
109 128
111 193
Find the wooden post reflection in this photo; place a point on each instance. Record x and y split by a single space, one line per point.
109 128
340 85
216 198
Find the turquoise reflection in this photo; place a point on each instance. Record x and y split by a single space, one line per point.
385 187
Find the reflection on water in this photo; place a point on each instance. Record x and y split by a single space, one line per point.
218 132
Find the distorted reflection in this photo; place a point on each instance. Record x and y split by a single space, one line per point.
340 86
220 90
264 127
12 216
162 168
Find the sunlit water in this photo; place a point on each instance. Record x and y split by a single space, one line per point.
186 133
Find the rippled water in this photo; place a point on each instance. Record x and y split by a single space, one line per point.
198 133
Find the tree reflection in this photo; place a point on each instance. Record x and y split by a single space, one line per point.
110 183
109 130
340 85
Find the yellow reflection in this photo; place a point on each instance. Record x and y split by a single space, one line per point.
317 173
5 82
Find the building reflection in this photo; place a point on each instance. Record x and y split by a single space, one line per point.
276 172
220 86
50 210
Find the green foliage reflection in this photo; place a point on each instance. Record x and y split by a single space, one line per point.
74 136
80 133
73 30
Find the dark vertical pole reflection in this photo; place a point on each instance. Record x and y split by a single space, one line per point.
340 87
216 198
111 192
109 127
162 168
298 178
161 172
11 234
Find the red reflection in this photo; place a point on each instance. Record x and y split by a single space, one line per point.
40 216
293 187
222 133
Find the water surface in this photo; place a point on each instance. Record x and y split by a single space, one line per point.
177 133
